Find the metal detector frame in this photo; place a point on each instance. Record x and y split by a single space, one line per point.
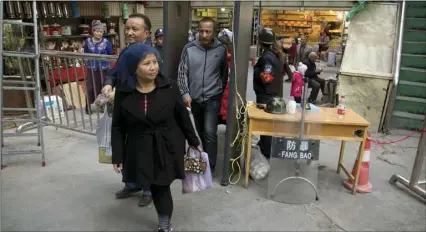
414 184
302 131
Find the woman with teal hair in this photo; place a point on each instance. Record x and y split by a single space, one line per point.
150 124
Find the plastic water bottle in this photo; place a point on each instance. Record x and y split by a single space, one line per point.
341 108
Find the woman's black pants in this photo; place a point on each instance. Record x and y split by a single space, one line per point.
163 200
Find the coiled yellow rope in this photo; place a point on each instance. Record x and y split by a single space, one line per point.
241 115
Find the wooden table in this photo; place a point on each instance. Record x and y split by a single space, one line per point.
321 124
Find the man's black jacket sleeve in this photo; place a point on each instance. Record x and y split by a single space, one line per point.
111 78
311 71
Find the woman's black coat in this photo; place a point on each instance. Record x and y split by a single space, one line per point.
152 147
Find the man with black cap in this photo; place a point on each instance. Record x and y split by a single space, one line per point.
159 38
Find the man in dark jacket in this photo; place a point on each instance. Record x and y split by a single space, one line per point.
202 78
159 38
148 40
315 82
267 78
136 30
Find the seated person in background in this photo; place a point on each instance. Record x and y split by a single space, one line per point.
315 82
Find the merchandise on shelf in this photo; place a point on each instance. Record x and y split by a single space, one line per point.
289 23
222 17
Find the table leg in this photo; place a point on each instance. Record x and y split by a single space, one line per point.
342 152
248 156
358 163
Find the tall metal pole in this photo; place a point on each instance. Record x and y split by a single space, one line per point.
420 158
259 25
1 81
239 72
392 96
175 34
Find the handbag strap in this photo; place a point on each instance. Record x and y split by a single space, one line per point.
196 150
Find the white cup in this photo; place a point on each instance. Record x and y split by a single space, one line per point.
291 107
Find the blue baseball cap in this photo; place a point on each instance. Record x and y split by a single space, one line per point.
159 32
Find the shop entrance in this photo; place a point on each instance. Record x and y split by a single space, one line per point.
325 32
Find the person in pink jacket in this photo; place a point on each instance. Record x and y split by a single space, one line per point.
297 82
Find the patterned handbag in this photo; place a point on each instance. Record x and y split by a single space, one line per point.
194 162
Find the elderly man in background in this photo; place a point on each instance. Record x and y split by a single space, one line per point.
302 51
315 82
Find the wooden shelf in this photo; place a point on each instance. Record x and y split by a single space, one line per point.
72 36
304 22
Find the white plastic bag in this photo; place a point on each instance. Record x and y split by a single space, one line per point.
103 134
259 166
197 182
194 182
191 116
331 61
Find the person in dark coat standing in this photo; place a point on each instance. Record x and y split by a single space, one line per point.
267 77
137 29
149 126
159 38
225 97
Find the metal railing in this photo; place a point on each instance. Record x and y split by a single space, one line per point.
71 86
390 104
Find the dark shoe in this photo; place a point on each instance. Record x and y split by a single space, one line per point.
145 200
162 230
125 193
169 230
313 102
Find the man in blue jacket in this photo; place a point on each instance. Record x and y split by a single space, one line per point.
202 78
137 29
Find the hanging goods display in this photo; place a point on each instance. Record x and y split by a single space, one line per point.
75 10
125 11
105 10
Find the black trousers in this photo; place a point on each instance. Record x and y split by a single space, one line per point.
316 84
298 99
265 142
206 118
163 200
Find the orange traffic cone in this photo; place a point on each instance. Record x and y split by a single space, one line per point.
364 186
